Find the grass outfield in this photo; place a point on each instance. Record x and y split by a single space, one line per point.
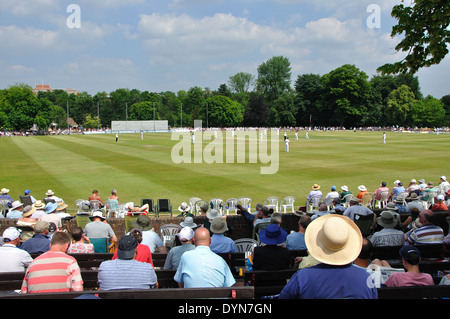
72 166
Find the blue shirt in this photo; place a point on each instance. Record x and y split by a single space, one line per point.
174 256
295 241
330 282
201 267
222 244
126 274
39 243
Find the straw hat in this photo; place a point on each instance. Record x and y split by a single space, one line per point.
4 191
344 188
362 188
316 186
28 210
39 204
49 193
333 239
61 206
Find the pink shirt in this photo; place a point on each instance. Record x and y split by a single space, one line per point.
402 279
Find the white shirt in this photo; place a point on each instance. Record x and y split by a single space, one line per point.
14 259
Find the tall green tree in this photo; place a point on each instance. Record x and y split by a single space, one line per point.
400 103
428 112
424 27
346 93
224 112
241 82
274 77
308 89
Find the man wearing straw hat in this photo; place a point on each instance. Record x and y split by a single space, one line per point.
335 241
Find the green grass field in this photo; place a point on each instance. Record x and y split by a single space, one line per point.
72 166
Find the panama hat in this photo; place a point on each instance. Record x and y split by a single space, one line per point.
333 239
5 191
345 188
49 192
316 186
61 206
39 204
362 188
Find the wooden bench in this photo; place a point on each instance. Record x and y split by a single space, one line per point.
13 280
169 293
417 292
268 282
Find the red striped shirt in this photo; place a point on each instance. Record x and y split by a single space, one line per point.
52 272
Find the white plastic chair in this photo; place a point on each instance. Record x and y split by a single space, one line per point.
217 204
230 205
288 202
246 202
382 202
168 233
346 200
245 245
192 202
272 202
313 202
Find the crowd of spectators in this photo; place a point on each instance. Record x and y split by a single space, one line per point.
338 264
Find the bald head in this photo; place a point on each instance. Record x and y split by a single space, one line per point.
202 237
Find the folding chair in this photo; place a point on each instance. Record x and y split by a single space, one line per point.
100 244
163 206
364 223
25 200
288 202
151 208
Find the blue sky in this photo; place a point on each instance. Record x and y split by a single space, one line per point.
177 44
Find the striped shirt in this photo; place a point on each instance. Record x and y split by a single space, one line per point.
425 235
52 271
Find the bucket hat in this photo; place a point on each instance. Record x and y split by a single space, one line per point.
272 235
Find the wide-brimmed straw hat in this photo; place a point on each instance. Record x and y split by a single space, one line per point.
388 219
344 188
28 210
39 204
333 239
316 186
362 188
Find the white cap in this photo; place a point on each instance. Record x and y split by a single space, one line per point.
186 233
440 197
11 233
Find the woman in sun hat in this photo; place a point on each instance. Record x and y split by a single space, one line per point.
184 210
335 241
271 255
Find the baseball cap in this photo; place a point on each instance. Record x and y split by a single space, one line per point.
411 254
10 234
127 247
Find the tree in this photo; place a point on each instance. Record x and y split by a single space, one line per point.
425 26
285 110
400 102
308 88
241 82
346 93
257 111
428 112
224 112
274 77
